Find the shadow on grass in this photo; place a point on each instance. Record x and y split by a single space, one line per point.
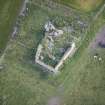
29 56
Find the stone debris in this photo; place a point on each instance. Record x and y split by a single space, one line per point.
50 28
50 33
56 33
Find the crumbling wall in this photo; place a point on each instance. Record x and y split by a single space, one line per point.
67 54
55 70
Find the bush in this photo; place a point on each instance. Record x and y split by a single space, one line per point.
59 21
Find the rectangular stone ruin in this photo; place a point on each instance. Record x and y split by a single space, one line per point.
45 50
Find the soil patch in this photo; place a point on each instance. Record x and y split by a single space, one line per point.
99 41
54 101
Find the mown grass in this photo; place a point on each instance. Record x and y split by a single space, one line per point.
83 5
8 13
81 81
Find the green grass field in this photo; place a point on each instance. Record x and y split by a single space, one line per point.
8 13
84 5
81 82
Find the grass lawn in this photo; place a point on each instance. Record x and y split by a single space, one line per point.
8 13
84 5
81 82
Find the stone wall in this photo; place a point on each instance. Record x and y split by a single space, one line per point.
68 53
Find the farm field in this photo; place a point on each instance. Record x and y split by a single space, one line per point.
8 13
82 79
84 5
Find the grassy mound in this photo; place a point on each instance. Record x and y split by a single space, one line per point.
85 5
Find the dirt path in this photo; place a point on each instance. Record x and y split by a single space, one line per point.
99 12
21 13
15 28
23 7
